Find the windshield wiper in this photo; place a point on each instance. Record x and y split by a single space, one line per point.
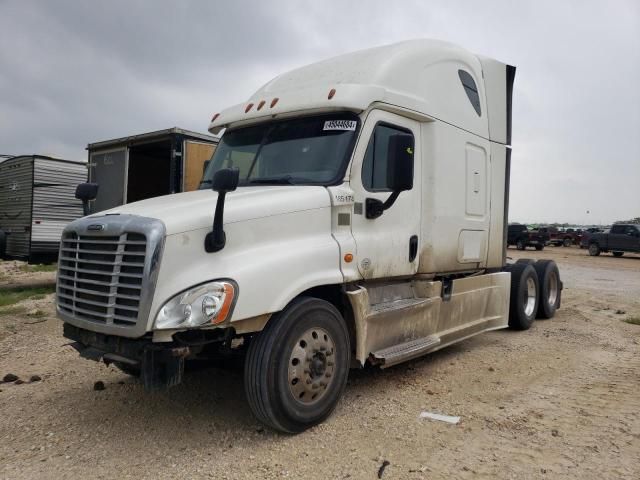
284 180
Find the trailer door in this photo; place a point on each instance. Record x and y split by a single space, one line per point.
108 168
195 155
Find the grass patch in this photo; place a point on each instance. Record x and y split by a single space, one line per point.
13 295
51 267
12 311
633 320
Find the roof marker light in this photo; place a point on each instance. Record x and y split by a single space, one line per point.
261 104
213 119
332 92
273 102
246 110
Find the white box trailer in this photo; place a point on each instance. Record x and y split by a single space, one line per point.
36 203
147 165
354 213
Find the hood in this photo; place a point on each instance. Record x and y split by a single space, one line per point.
187 211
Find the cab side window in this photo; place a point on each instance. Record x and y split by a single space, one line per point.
617 229
376 159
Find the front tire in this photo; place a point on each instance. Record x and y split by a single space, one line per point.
566 242
617 254
594 249
520 245
296 368
539 247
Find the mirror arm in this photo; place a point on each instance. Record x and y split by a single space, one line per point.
216 239
388 203
375 208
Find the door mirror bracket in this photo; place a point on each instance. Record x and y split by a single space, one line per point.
399 173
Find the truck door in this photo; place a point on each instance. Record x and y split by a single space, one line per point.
631 241
617 238
386 246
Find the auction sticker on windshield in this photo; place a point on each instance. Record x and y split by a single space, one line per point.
340 125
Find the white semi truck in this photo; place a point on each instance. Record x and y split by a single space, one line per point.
354 213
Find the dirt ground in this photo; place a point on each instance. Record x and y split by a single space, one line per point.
561 400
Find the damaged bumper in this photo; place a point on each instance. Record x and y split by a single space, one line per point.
160 365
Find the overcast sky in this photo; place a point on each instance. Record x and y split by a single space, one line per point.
76 72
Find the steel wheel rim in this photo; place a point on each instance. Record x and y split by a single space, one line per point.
530 297
553 289
311 366
593 248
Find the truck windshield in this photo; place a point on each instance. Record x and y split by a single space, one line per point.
301 151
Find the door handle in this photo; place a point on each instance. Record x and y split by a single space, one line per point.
413 248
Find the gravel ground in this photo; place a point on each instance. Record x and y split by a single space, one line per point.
560 400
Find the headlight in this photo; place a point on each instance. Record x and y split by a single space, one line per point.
206 304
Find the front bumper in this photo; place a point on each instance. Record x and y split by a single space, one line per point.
160 365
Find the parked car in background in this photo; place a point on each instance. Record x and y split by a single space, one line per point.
564 238
621 238
520 236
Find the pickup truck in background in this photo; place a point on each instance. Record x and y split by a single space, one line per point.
564 238
586 235
520 236
620 239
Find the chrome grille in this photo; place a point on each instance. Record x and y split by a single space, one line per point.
100 278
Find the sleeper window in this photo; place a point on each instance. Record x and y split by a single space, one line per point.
375 163
470 89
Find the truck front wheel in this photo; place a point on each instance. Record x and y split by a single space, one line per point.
520 245
296 368
594 249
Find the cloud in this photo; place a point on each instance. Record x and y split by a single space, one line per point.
72 73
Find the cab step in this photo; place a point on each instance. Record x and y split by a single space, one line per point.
395 305
405 351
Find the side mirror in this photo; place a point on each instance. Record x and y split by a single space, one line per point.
399 173
400 162
225 180
86 192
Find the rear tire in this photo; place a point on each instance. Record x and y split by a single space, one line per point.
520 245
523 305
617 254
296 368
594 249
550 290
539 247
566 242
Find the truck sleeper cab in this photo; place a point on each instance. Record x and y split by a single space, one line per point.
353 213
